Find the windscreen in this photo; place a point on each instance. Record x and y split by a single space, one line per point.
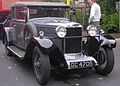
38 12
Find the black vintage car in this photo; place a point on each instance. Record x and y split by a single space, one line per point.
42 31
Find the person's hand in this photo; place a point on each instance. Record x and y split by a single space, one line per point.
90 19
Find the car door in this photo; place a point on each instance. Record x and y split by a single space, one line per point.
19 25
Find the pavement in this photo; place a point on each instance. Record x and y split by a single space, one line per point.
118 39
14 72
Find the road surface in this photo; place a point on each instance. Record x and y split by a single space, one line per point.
14 72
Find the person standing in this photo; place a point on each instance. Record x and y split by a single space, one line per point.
95 14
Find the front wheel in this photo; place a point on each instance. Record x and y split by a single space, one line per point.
41 66
105 59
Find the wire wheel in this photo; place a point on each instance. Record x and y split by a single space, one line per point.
41 65
105 59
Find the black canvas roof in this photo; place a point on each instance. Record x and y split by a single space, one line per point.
42 4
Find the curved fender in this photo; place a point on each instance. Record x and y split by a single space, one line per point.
44 44
109 42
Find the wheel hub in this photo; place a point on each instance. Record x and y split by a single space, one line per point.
37 64
101 59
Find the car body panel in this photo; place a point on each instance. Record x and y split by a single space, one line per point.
108 40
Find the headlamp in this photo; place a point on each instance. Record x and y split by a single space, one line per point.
92 30
61 31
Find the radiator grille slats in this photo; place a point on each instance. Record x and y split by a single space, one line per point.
73 45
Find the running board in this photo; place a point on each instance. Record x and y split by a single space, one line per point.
16 51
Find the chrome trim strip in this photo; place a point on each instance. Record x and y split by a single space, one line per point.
72 54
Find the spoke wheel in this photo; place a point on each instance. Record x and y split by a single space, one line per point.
102 59
41 66
105 59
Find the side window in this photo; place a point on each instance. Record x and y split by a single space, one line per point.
35 13
19 13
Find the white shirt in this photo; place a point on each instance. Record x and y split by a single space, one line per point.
95 12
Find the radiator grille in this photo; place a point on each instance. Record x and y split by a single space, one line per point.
73 45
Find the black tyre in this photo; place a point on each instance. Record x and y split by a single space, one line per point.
8 52
41 66
105 59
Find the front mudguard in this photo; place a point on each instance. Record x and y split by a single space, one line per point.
44 44
47 46
93 44
108 40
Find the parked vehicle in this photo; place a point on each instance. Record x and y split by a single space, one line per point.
3 16
42 31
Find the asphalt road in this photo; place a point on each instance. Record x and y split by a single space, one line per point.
14 72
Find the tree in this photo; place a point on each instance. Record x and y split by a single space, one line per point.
110 18
107 6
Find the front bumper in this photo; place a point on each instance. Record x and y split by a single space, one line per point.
77 61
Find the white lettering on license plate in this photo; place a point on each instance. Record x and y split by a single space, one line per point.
82 64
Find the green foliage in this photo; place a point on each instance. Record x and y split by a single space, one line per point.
110 18
110 23
79 16
107 6
82 18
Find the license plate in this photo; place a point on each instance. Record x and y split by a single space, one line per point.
82 64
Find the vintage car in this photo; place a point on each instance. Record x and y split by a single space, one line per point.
43 31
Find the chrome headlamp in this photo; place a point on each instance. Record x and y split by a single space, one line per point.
92 30
61 31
